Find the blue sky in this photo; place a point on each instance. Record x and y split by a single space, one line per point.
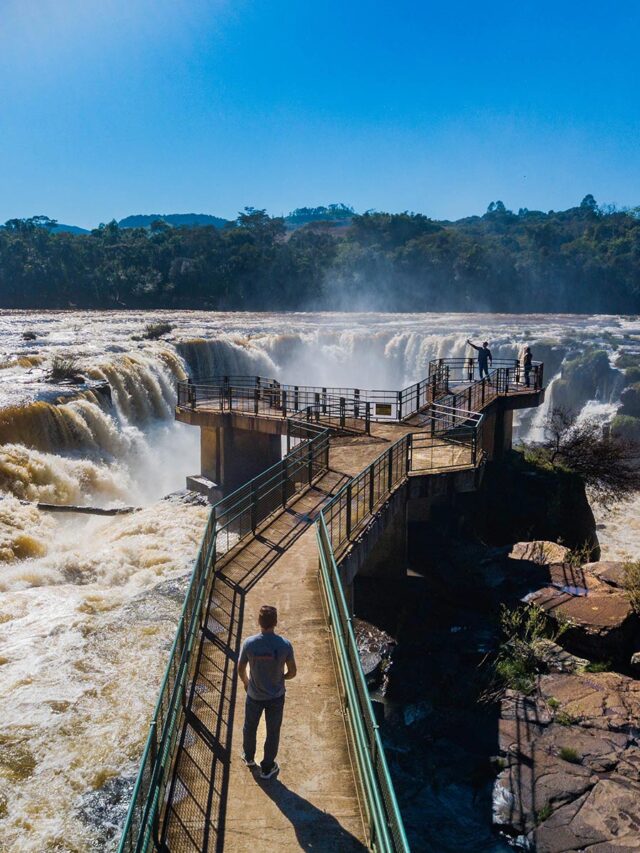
113 107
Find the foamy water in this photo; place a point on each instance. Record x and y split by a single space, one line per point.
89 604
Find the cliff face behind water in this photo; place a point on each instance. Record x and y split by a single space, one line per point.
584 259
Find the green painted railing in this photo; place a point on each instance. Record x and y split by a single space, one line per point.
383 818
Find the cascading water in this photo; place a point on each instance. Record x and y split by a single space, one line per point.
90 604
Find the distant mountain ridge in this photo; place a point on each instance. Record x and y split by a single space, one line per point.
61 228
174 219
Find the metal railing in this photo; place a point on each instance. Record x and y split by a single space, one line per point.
512 373
384 821
253 396
230 520
449 380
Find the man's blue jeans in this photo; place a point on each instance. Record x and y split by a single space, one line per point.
273 710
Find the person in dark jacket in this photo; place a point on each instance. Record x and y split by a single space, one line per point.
527 362
485 359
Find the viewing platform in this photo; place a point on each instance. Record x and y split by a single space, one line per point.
329 479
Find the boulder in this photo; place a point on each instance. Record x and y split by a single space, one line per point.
630 399
603 625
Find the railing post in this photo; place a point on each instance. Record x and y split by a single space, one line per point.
506 381
407 461
433 420
348 511
434 386
230 395
399 405
254 507
367 417
517 369
285 475
469 398
284 404
446 378
324 401
484 379
356 403
342 410
310 461
417 396
371 490
288 435
390 470
295 398
256 398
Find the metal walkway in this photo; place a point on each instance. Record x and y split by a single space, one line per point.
261 545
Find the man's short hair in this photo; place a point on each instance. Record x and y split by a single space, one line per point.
268 616
485 343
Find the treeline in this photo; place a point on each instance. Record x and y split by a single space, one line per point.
581 259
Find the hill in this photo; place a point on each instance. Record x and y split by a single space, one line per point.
61 228
175 219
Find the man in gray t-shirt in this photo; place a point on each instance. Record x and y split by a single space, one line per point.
271 662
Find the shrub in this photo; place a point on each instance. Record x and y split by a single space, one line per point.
564 719
632 583
520 656
544 813
598 666
632 375
153 331
568 753
64 367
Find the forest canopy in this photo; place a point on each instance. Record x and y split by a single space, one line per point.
584 259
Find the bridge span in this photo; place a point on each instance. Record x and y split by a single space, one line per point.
301 477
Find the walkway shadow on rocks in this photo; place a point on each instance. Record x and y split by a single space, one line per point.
315 829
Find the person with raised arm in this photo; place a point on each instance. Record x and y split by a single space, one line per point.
485 359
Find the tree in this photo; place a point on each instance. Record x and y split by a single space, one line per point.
589 203
608 466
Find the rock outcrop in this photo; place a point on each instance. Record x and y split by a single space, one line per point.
603 625
572 755
523 501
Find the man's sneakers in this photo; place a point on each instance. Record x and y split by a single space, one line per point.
248 761
267 774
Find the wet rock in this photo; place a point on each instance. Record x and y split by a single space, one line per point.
106 808
414 713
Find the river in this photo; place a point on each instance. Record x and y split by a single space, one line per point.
89 604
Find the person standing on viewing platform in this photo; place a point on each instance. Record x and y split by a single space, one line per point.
485 359
527 360
271 662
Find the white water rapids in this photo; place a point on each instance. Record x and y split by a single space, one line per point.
89 605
